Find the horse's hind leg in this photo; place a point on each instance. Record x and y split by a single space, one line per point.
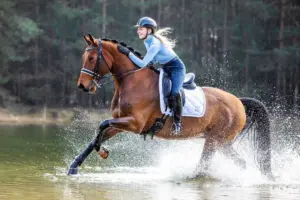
209 149
229 151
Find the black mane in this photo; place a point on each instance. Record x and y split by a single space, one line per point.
138 54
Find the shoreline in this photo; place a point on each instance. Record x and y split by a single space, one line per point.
23 120
52 116
43 117
18 116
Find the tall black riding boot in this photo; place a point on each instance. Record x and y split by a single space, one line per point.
176 106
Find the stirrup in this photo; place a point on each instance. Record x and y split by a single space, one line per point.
176 128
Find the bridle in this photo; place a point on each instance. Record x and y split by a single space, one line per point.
96 77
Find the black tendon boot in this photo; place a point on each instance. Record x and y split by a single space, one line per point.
175 104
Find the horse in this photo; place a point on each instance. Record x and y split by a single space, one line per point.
135 107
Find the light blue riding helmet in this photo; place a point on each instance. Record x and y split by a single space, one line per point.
147 22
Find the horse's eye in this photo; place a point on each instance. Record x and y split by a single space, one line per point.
91 58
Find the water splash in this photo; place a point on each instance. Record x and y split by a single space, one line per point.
133 160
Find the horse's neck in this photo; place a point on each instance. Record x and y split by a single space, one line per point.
143 79
141 86
126 77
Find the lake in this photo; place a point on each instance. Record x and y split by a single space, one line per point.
34 161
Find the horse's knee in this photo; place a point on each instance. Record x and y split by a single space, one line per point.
229 151
103 125
101 133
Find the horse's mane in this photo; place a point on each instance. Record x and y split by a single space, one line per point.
138 54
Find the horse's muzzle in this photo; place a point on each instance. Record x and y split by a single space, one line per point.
81 86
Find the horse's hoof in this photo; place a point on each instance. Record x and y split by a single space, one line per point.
203 175
73 171
242 164
271 177
103 153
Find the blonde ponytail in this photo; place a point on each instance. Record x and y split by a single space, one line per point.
162 35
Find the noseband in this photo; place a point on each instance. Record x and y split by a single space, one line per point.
94 74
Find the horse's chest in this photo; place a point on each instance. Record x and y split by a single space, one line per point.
122 109
126 107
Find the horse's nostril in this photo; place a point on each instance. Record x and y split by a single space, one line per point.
80 86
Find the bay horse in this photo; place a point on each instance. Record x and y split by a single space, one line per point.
135 106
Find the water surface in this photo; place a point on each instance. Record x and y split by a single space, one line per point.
34 160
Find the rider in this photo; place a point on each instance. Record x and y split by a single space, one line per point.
160 49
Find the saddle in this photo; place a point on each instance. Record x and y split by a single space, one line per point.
188 84
193 100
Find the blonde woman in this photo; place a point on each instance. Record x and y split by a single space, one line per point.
160 49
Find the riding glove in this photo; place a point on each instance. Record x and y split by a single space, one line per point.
123 50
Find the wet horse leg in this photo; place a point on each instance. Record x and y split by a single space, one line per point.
117 125
93 145
229 151
209 149
114 126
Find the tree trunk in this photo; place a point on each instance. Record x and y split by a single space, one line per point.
247 72
233 8
296 90
280 74
225 30
19 88
104 9
214 31
296 81
142 7
159 11
182 21
64 81
203 32
36 46
49 58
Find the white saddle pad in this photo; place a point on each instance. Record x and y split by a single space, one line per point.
195 102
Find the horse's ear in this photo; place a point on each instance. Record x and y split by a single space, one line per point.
92 39
87 41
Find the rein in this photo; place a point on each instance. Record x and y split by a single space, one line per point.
96 78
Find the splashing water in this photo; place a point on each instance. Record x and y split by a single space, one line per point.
133 160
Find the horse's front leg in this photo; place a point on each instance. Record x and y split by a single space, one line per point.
95 144
107 129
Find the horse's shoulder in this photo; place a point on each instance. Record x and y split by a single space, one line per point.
125 106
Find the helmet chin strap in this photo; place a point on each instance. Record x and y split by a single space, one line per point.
147 35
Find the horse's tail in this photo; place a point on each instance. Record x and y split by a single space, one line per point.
258 121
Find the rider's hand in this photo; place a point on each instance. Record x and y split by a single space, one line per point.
123 50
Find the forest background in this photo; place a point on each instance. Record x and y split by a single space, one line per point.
247 47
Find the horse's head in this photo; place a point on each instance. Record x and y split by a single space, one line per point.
100 58
94 65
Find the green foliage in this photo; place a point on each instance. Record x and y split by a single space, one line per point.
4 79
68 13
28 28
229 44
